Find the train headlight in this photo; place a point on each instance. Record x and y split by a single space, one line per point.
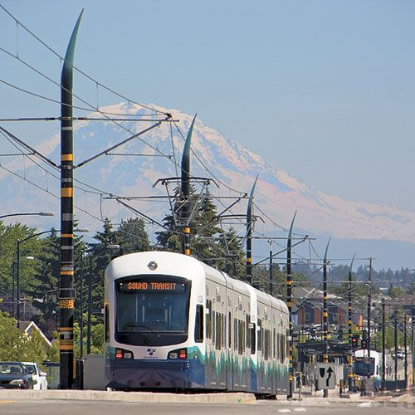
178 354
152 265
123 354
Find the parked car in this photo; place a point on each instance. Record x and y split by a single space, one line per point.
40 380
14 375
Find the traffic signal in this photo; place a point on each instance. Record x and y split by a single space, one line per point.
364 344
355 341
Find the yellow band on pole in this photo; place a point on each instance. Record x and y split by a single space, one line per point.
67 157
67 192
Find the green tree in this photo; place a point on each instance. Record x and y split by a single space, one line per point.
45 288
206 237
132 236
233 254
16 345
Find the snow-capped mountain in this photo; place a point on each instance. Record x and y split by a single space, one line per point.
231 165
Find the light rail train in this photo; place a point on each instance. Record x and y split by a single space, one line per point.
369 367
175 323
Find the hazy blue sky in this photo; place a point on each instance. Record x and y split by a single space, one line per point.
323 89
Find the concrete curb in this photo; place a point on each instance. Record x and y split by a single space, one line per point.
92 395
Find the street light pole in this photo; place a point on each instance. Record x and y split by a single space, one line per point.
19 241
27 214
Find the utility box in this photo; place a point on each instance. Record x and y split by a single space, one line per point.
94 372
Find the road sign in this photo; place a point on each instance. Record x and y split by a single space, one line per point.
326 377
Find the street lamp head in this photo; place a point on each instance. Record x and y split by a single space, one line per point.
46 214
113 246
82 230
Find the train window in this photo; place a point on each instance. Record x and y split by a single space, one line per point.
243 326
274 339
213 327
235 334
259 342
230 330
248 332
253 338
240 337
283 348
107 323
199 324
218 327
208 319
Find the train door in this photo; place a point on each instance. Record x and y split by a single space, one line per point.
216 349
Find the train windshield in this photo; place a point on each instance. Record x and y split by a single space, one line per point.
364 366
152 310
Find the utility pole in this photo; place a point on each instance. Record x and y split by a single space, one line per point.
18 284
185 188
66 290
406 354
349 324
270 266
290 320
325 315
249 226
383 347
88 327
81 322
369 305
395 325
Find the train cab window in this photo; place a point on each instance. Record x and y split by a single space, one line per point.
152 310
199 324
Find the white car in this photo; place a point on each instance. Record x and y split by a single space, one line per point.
40 380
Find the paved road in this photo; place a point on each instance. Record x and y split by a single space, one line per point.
54 407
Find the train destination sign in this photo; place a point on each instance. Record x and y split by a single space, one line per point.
146 286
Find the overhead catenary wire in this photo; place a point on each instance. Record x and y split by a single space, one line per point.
19 24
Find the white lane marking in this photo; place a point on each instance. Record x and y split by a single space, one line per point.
365 404
284 411
300 409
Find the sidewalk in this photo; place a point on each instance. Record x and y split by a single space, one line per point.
307 399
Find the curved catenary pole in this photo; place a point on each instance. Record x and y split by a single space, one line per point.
289 305
349 324
325 313
185 187
249 236
66 293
